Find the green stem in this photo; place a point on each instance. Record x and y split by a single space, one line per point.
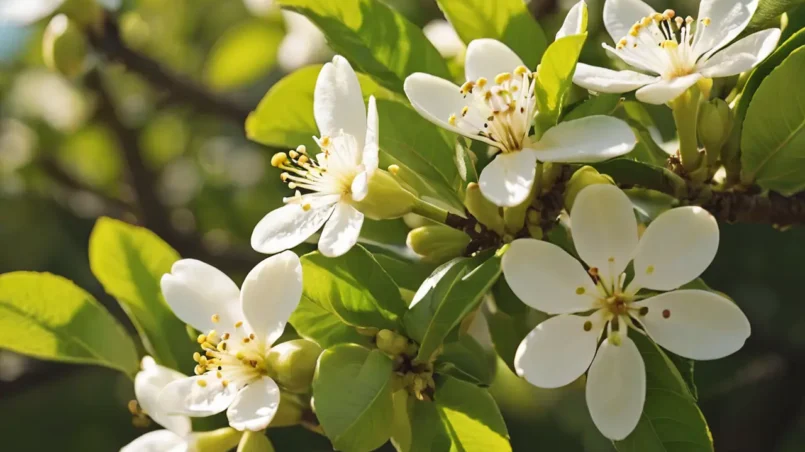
430 211
686 114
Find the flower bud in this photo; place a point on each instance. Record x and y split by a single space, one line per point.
437 243
85 13
715 124
385 198
64 47
217 440
584 176
486 212
289 412
391 343
293 364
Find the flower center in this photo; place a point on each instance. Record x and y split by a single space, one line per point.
664 42
499 113
235 357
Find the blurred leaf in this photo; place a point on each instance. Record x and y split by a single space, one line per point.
164 138
129 262
555 77
471 417
671 419
92 154
646 150
507 21
602 104
507 332
773 142
352 393
373 37
255 442
49 317
243 54
506 300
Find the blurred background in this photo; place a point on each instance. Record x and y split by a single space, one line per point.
153 134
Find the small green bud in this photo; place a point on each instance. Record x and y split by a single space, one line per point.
64 47
715 124
255 442
366 331
399 345
391 343
85 13
219 440
293 364
584 176
437 243
386 198
289 411
483 209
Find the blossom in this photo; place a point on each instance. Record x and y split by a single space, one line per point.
444 38
674 250
176 436
496 106
672 52
335 179
232 372
303 43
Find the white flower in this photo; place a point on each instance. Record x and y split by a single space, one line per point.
674 250
676 52
303 43
176 437
444 37
334 178
232 373
496 106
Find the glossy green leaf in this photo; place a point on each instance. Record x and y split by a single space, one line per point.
671 420
49 317
376 39
631 172
650 203
602 104
768 13
129 261
353 397
244 53
408 275
467 360
773 137
320 324
401 429
555 77
507 21
639 119
471 417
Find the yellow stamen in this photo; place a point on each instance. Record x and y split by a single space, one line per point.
481 82
503 77
394 169
216 318
706 21
278 159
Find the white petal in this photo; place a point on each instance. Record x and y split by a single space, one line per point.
700 325
728 20
158 441
743 55
604 80
372 145
148 383
444 37
187 397
574 21
338 102
360 186
585 140
507 180
341 232
488 58
604 230
676 248
546 278
558 350
195 291
666 90
271 292
288 226
620 15
616 388
436 99
255 406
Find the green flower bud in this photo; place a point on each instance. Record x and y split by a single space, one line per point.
715 124
255 442
584 176
219 440
85 13
293 364
483 209
391 343
437 243
64 47
386 198
289 411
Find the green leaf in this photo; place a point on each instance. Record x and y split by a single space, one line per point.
320 324
408 275
467 360
671 420
471 417
354 287
243 54
650 203
49 317
352 393
507 21
632 172
773 142
768 11
401 429
646 150
129 262
602 104
255 442
555 77
451 299
376 39
508 331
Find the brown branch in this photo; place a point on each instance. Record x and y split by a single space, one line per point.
771 208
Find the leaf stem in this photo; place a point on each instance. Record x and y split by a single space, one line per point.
430 211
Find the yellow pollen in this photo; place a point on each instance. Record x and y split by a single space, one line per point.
221 346
464 111
305 207
201 339
225 383
503 77
649 269
211 336
207 346
580 291
251 336
303 159
634 31
238 325
521 70
394 169
215 318
481 82
452 120
196 356
246 340
325 141
239 355
219 374
467 87
202 383
646 21
225 336
657 17
706 21
202 361
670 44
278 159
293 154
198 370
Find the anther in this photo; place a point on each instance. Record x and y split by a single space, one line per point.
238 325
202 383
503 77
246 340
225 383
669 14
679 21
325 141
521 70
588 325
649 269
452 120
196 356
481 82
293 154
225 336
215 318
303 159
467 87
251 336
201 338
306 207
219 374
580 291
666 313
279 159
301 149
706 21
465 110
394 169
643 310
657 17
646 21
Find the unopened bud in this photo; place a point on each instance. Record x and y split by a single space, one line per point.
289 411
391 343
714 127
385 198
437 243
583 177
293 364
64 47
486 212
85 13
255 442
222 439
